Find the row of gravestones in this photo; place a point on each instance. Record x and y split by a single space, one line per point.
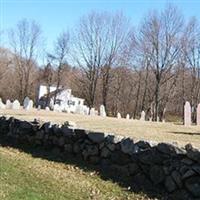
142 117
188 114
15 105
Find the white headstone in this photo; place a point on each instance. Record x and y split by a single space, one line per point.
47 108
187 114
92 112
127 116
142 118
119 116
30 104
198 114
8 104
39 107
16 105
102 111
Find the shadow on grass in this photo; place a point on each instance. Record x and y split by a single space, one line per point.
185 133
105 174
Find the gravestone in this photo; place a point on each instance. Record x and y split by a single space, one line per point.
8 104
47 108
31 104
187 114
26 103
142 118
39 107
198 114
127 116
16 105
119 116
102 111
92 112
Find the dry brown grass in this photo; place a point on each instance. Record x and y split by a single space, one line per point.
154 131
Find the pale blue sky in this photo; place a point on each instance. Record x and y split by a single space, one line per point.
56 16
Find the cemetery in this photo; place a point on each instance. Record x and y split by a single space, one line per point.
99 100
158 160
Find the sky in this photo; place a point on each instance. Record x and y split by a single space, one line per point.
55 16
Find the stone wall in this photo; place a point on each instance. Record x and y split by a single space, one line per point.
161 168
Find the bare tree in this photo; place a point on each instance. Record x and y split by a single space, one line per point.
98 42
59 58
24 40
161 32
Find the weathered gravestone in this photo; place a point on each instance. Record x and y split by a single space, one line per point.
142 118
31 104
8 104
198 114
92 112
26 103
187 114
119 116
102 111
127 116
16 105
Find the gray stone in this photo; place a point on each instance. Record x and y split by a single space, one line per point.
188 174
193 186
127 146
90 150
133 168
96 137
194 154
177 178
170 184
157 174
68 148
105 153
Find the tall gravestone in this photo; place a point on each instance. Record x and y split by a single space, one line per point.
16 105
198 114
26 103
8 104
187 114
102 111
142 118
127 116
119 116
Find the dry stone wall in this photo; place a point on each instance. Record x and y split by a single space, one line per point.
163 167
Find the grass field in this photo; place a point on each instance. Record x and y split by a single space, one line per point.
154 131
23 177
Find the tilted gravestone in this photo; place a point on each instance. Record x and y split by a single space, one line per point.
16 105
187 114
102 111
142 118
119 116
198 114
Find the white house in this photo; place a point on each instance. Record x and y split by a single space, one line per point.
64 101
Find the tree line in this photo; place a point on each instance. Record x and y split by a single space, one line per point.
153 67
